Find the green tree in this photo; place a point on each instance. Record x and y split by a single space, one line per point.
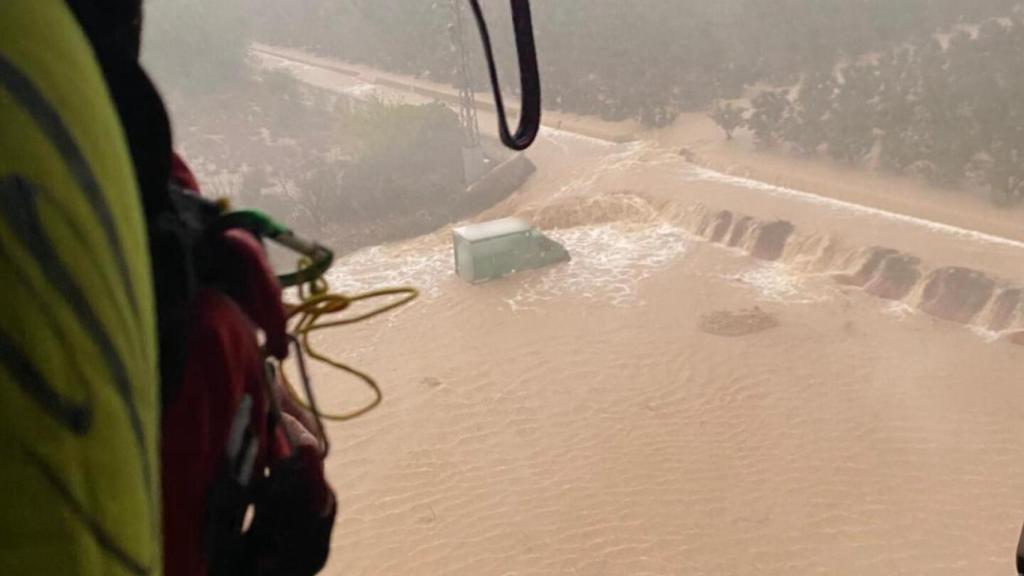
769 111
805 127
729 117
618 59
849 128
898 118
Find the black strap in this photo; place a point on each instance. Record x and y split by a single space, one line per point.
230 496
176 234
529 75
1020 554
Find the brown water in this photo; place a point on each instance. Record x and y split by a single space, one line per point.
729 378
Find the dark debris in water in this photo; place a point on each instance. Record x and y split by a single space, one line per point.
736 323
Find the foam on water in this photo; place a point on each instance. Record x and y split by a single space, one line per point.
609 262
775 283
563 138
989 336
902 311
696 173
422 264
899 309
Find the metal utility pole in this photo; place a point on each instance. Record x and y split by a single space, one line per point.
474 163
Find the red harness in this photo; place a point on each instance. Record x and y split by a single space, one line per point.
224 446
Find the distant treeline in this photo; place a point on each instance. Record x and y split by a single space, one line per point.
642 59
933 87
949 107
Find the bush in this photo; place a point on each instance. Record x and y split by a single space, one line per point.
729 117
408 160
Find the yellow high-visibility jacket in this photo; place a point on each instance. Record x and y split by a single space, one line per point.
79 468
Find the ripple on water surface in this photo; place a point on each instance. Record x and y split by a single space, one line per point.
609 262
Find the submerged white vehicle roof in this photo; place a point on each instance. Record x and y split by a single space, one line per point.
493 229
493 250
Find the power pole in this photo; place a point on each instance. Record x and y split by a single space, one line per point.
474 163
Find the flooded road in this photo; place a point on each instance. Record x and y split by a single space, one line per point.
623 414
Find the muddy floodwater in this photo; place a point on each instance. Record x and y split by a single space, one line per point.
730 377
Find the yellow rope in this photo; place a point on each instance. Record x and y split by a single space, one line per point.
309 316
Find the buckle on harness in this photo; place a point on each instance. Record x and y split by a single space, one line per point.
230 497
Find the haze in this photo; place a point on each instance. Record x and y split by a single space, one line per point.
789 336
